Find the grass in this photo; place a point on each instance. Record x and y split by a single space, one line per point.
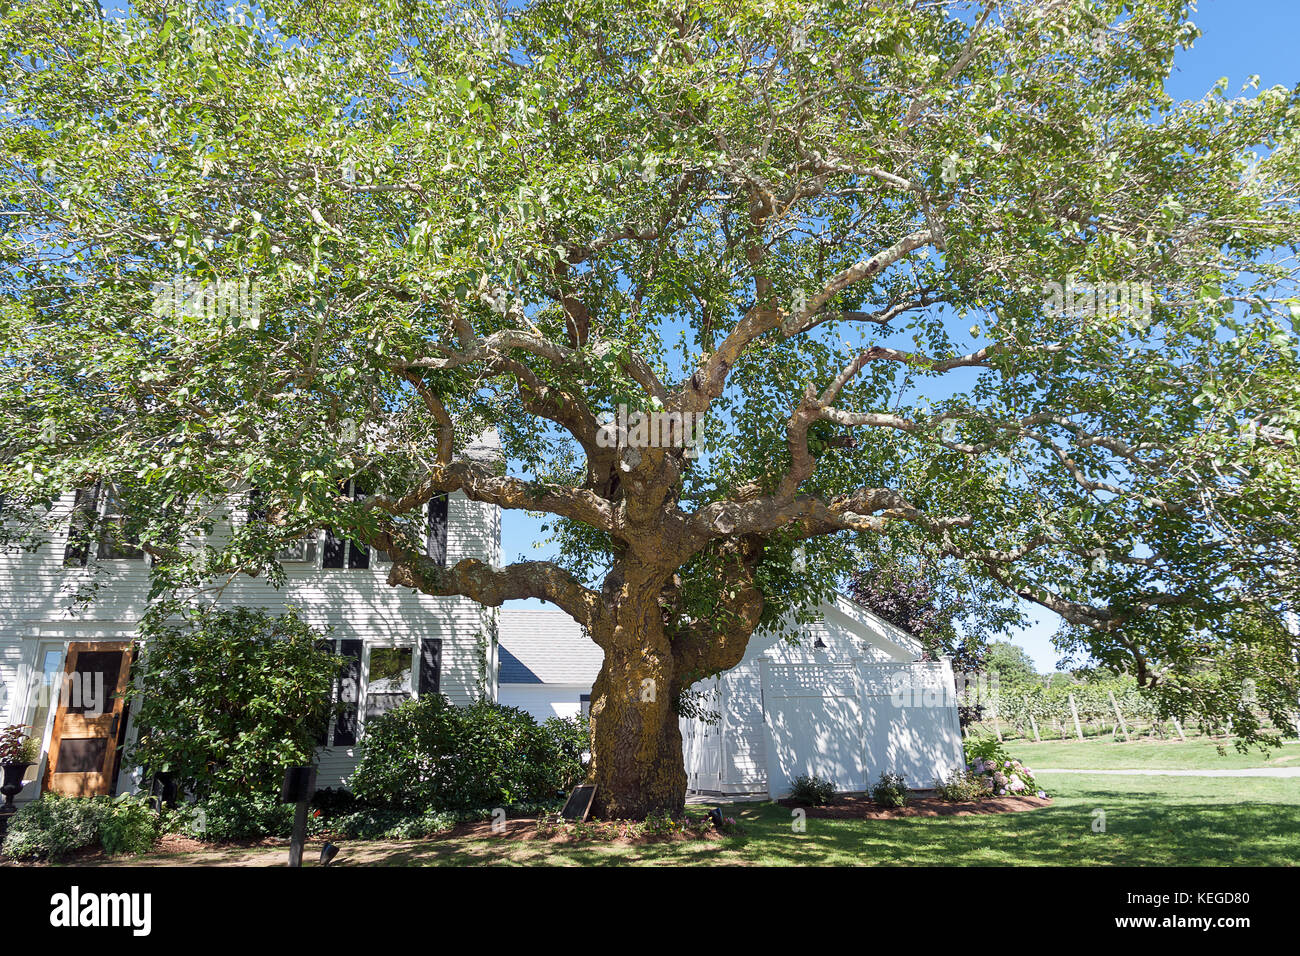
1150 821
1149 755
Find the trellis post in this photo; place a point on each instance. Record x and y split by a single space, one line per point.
1119 717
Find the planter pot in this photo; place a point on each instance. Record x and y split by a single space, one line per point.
163 788
13 782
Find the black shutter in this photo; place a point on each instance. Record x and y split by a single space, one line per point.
358 551
436 531
85 509
334 550
256 509
345 726
358 554
430 666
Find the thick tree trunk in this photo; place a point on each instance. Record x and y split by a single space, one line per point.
636 742
637 763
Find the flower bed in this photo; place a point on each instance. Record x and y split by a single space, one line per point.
998 771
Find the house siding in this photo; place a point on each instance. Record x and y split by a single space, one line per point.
37 602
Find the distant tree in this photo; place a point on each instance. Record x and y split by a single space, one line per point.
1010 662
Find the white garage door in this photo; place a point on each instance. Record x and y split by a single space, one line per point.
911 724
814 725
850 722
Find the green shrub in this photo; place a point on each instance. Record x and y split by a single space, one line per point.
335 801
980 748
392 824
427 754
184 818
130 825
54 826
247 817
564 740
962 786
229 698
813 791
890 790
1000 772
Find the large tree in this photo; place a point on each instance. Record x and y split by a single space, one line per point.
847 235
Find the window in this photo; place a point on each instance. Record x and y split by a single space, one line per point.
343 552
44 693
584 704
392 675
117 540
299 551
388 678
99 523
326 549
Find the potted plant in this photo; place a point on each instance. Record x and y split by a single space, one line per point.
18 751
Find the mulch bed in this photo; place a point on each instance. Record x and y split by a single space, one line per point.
527 830
179 843
922 803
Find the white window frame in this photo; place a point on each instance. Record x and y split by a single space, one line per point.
363 693
33 672
104 500
314 543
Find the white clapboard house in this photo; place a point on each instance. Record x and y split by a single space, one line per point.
849 700
399 642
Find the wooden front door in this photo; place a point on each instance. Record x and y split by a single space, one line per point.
89 723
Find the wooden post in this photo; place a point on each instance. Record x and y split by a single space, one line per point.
1033 724
298 786
1074 709
1119 717
1179 727
299 834
997 727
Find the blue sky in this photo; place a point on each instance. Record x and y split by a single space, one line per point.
1241 37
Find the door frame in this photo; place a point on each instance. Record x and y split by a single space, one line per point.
115 715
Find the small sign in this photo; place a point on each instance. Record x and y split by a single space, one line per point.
579 803
299 784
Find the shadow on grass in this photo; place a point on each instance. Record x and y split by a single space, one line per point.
1138 829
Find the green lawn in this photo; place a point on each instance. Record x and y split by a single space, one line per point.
1149 755
1151 821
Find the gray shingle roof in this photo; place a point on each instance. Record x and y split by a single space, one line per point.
546 647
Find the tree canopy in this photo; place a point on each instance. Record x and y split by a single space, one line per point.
941 278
